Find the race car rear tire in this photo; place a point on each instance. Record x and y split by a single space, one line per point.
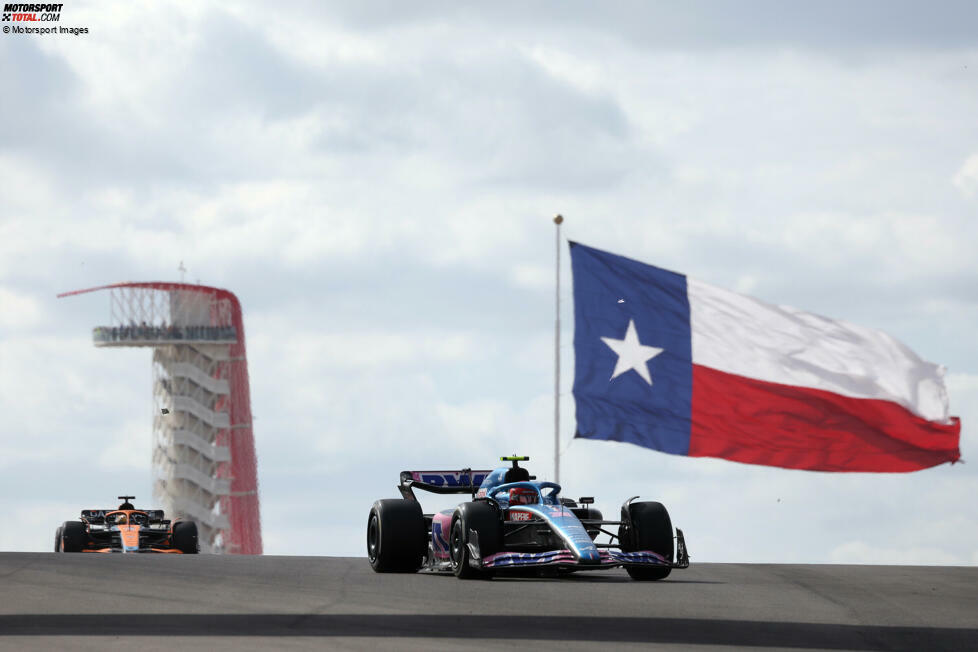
57 540
74 536
397 536
483 518
184 537
651 529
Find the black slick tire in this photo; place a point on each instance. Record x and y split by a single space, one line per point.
184 537
57 540
74 536
397 536
482 518
651 529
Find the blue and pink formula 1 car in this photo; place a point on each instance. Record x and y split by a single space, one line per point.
515 524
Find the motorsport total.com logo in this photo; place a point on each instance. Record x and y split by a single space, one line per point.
31 12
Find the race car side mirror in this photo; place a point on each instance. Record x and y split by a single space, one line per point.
586 500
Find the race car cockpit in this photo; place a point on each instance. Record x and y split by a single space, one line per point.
117 518
523 496
131 518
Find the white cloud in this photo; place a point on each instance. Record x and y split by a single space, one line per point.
130 448
962 382
18 311
585 74
479 420
532 276
302 350
966 179
36 522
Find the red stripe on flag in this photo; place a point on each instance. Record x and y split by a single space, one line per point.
756 422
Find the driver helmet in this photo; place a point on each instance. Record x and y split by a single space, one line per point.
522 496
119 519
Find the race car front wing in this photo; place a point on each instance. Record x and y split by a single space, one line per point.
609 558
167 551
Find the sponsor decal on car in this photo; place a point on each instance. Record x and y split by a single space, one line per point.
449 478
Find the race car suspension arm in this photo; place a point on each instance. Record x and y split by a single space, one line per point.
610 534
518 529
613 535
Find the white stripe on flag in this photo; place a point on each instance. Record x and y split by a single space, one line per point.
744 336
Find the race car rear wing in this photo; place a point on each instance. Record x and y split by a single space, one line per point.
466 481
97 516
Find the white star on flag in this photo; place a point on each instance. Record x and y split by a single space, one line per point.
632 354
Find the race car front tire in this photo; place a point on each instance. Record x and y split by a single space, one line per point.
184 537
74 536
57 540
650 529
397 536
483 518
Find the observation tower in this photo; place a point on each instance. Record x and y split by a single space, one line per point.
204 461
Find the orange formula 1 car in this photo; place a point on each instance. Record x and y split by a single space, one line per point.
126 529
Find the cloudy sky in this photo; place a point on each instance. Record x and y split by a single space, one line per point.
376 182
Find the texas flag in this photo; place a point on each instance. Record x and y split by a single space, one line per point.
669 363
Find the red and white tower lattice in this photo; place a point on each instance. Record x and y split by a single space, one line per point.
203 444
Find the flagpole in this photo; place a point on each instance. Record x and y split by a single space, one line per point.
557 220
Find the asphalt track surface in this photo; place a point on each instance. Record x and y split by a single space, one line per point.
168 602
